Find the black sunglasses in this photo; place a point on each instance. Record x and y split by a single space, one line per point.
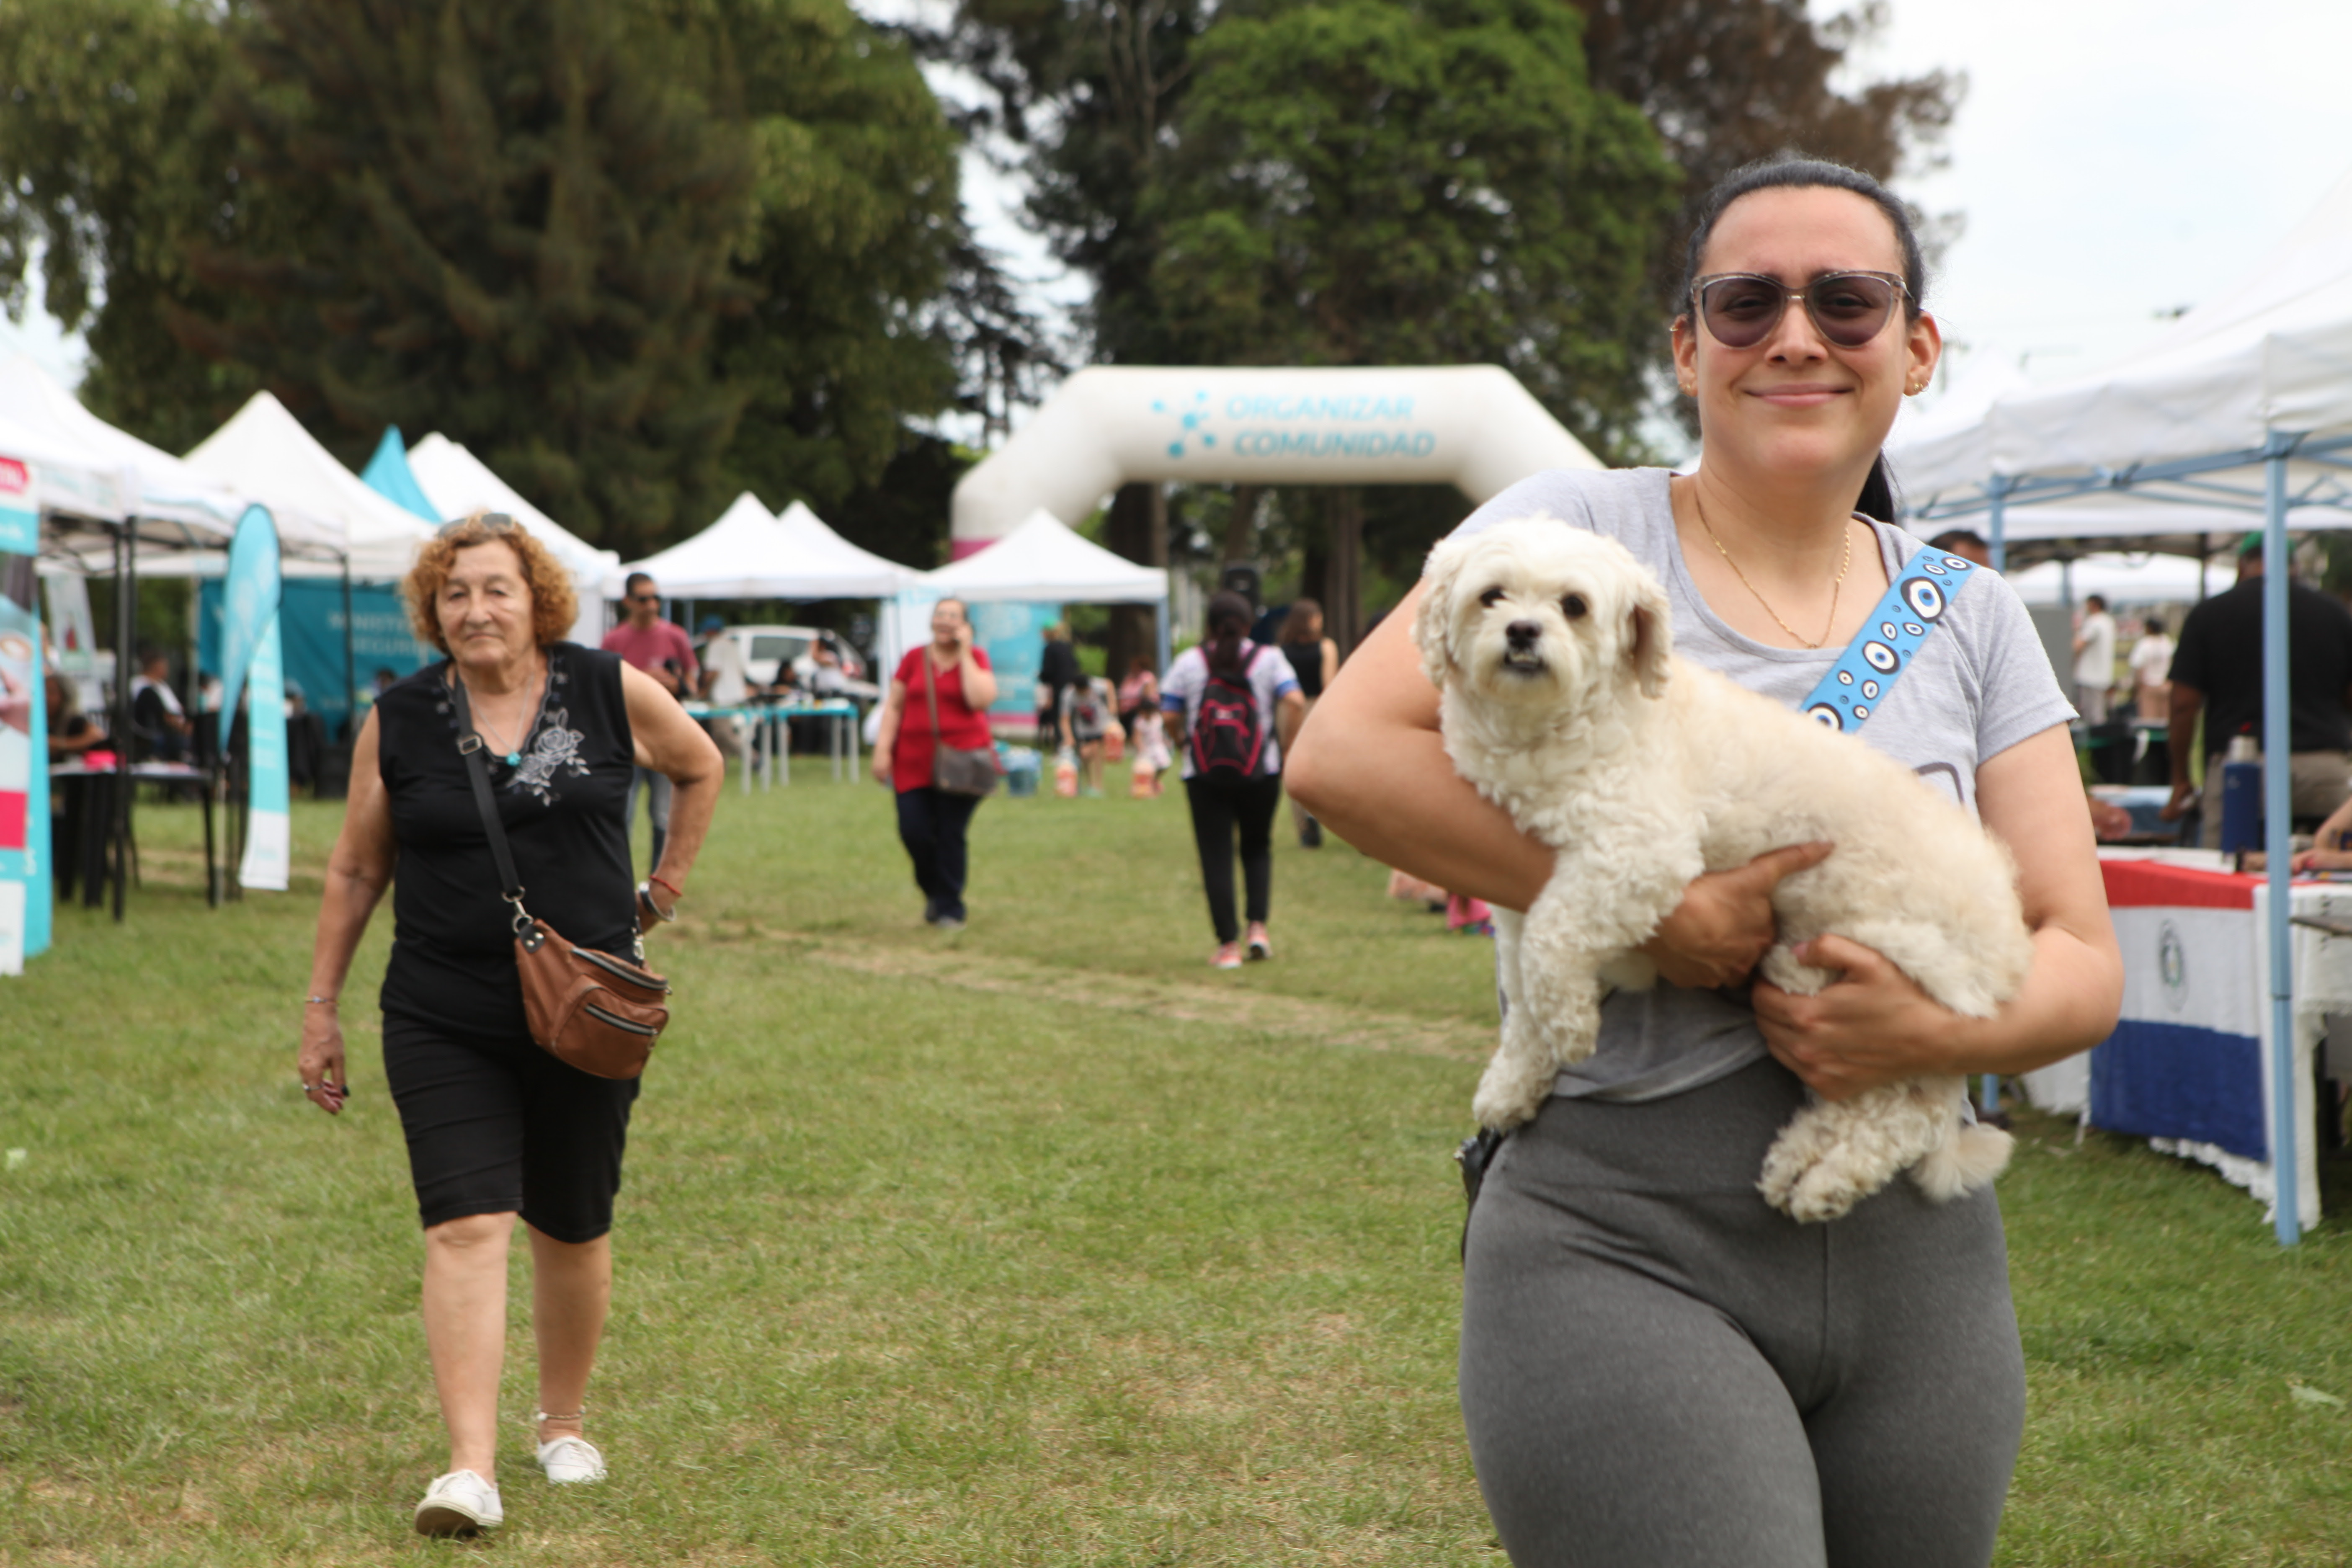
1848 308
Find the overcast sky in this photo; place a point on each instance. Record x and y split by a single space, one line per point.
2114 159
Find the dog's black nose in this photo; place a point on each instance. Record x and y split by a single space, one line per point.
1523 633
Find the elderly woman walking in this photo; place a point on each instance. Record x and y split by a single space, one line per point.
496 1126
950 687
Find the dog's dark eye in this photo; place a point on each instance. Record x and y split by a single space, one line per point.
1491 597
1572 607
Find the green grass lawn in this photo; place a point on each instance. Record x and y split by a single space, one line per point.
1041 1244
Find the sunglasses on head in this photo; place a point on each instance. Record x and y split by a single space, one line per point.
488 523
1848 308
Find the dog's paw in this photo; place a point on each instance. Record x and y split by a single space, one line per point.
1825 1192
1503 1103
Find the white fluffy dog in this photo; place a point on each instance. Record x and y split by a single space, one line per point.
1564 704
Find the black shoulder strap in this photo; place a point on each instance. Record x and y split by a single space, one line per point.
469 747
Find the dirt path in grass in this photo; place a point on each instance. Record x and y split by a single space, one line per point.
1230 1004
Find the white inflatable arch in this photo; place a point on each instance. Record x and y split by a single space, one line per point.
1473 426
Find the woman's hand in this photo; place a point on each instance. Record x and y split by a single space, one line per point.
1724 924
1872 1026
881 764
321 1061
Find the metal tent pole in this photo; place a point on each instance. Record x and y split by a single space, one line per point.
126 653
1996 520
350 670
2277 801
1164 631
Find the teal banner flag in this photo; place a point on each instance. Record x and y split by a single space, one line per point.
268 833
20 520
25 872
252 588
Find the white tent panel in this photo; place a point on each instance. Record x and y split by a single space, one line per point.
749 554
1044 563
136 476
874 575
458 483
2119 579
2273 352
264 453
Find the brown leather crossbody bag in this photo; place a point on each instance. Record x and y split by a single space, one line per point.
588 1009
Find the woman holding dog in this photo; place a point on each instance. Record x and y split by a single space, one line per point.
497 1128
1658 1369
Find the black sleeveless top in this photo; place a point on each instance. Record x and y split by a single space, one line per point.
453 936
1307 662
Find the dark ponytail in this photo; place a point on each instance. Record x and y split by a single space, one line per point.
1229 624
1789 172
1877 497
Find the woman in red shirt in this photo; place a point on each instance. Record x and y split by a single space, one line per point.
931 822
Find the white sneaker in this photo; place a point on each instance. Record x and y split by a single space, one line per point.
459 1503
568 1459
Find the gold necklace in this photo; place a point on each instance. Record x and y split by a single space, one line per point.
513 755
1835 583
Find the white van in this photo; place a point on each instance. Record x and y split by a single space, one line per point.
769 651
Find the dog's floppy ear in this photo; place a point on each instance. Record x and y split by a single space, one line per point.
1432 622
1650 638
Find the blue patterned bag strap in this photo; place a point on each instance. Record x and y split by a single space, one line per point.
1899 622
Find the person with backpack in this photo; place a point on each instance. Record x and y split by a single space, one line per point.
1226 698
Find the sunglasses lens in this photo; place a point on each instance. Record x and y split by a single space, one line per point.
1850 308
1739 311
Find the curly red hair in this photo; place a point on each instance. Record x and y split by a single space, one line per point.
553 605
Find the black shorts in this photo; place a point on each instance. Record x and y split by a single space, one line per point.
497 1126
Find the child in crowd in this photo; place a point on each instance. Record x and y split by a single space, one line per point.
1149 744
1089 722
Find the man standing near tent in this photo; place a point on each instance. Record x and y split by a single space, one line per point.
2094 660
2218 672
661 649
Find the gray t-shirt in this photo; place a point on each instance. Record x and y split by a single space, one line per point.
1978 685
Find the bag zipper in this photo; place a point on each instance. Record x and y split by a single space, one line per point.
616 1021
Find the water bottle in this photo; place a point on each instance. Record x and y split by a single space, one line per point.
2241 796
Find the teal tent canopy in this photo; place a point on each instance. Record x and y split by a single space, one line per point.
387 474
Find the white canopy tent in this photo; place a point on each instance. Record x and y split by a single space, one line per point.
458 483
751 553
2174 440
1040 562
2150 579
121 475
264 454
2244 405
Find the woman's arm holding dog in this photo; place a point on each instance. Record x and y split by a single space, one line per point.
1874 1025
1369 765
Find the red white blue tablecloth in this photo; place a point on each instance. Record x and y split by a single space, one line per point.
2188 1065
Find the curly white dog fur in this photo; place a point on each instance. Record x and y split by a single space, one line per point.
1564 704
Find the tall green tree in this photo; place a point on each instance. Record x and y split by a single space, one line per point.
112 167
522 212
1414 181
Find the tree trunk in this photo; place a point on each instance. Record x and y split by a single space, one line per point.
1137 529
1241 524
1343 607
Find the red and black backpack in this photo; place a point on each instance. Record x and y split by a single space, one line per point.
1229 732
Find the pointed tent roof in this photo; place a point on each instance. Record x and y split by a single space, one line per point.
1043 562
265 453
751 553
387 474
120 472
455 483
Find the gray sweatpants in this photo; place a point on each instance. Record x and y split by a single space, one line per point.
1658 1370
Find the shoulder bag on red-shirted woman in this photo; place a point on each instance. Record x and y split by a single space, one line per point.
585 1008
955 770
